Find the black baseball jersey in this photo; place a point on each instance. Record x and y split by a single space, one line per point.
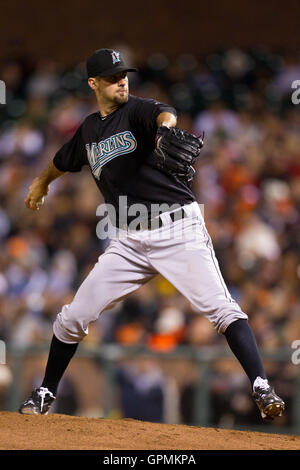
119 151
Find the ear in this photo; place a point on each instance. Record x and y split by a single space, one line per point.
92 83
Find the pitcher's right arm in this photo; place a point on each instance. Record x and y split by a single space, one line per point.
40 186
70 157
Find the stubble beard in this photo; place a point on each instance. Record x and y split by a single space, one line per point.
121 98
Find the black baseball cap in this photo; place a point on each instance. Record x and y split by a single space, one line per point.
104 62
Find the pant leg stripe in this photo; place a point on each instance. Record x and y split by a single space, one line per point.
208 244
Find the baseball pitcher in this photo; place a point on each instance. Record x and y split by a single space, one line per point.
134 151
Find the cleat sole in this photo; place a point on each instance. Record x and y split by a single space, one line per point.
28 411
272 411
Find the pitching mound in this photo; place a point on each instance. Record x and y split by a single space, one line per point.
70 432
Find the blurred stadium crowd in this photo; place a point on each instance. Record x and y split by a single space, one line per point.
248 179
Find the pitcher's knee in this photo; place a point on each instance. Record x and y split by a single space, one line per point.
69 327
223 317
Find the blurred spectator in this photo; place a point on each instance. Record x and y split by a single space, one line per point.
217 119
289 72
142 390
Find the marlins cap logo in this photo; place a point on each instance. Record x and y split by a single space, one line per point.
115 57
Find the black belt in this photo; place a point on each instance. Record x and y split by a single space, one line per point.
157 222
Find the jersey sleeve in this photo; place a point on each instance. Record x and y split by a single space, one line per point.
146 112
72 155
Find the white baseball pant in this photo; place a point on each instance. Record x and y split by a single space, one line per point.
181 251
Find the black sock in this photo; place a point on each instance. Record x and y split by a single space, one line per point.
242 343
60 355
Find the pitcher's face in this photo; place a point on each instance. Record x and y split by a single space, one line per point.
113 88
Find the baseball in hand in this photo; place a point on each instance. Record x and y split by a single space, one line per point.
40 202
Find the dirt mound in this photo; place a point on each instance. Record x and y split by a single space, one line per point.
70 432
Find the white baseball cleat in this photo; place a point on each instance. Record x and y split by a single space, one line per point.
38 403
